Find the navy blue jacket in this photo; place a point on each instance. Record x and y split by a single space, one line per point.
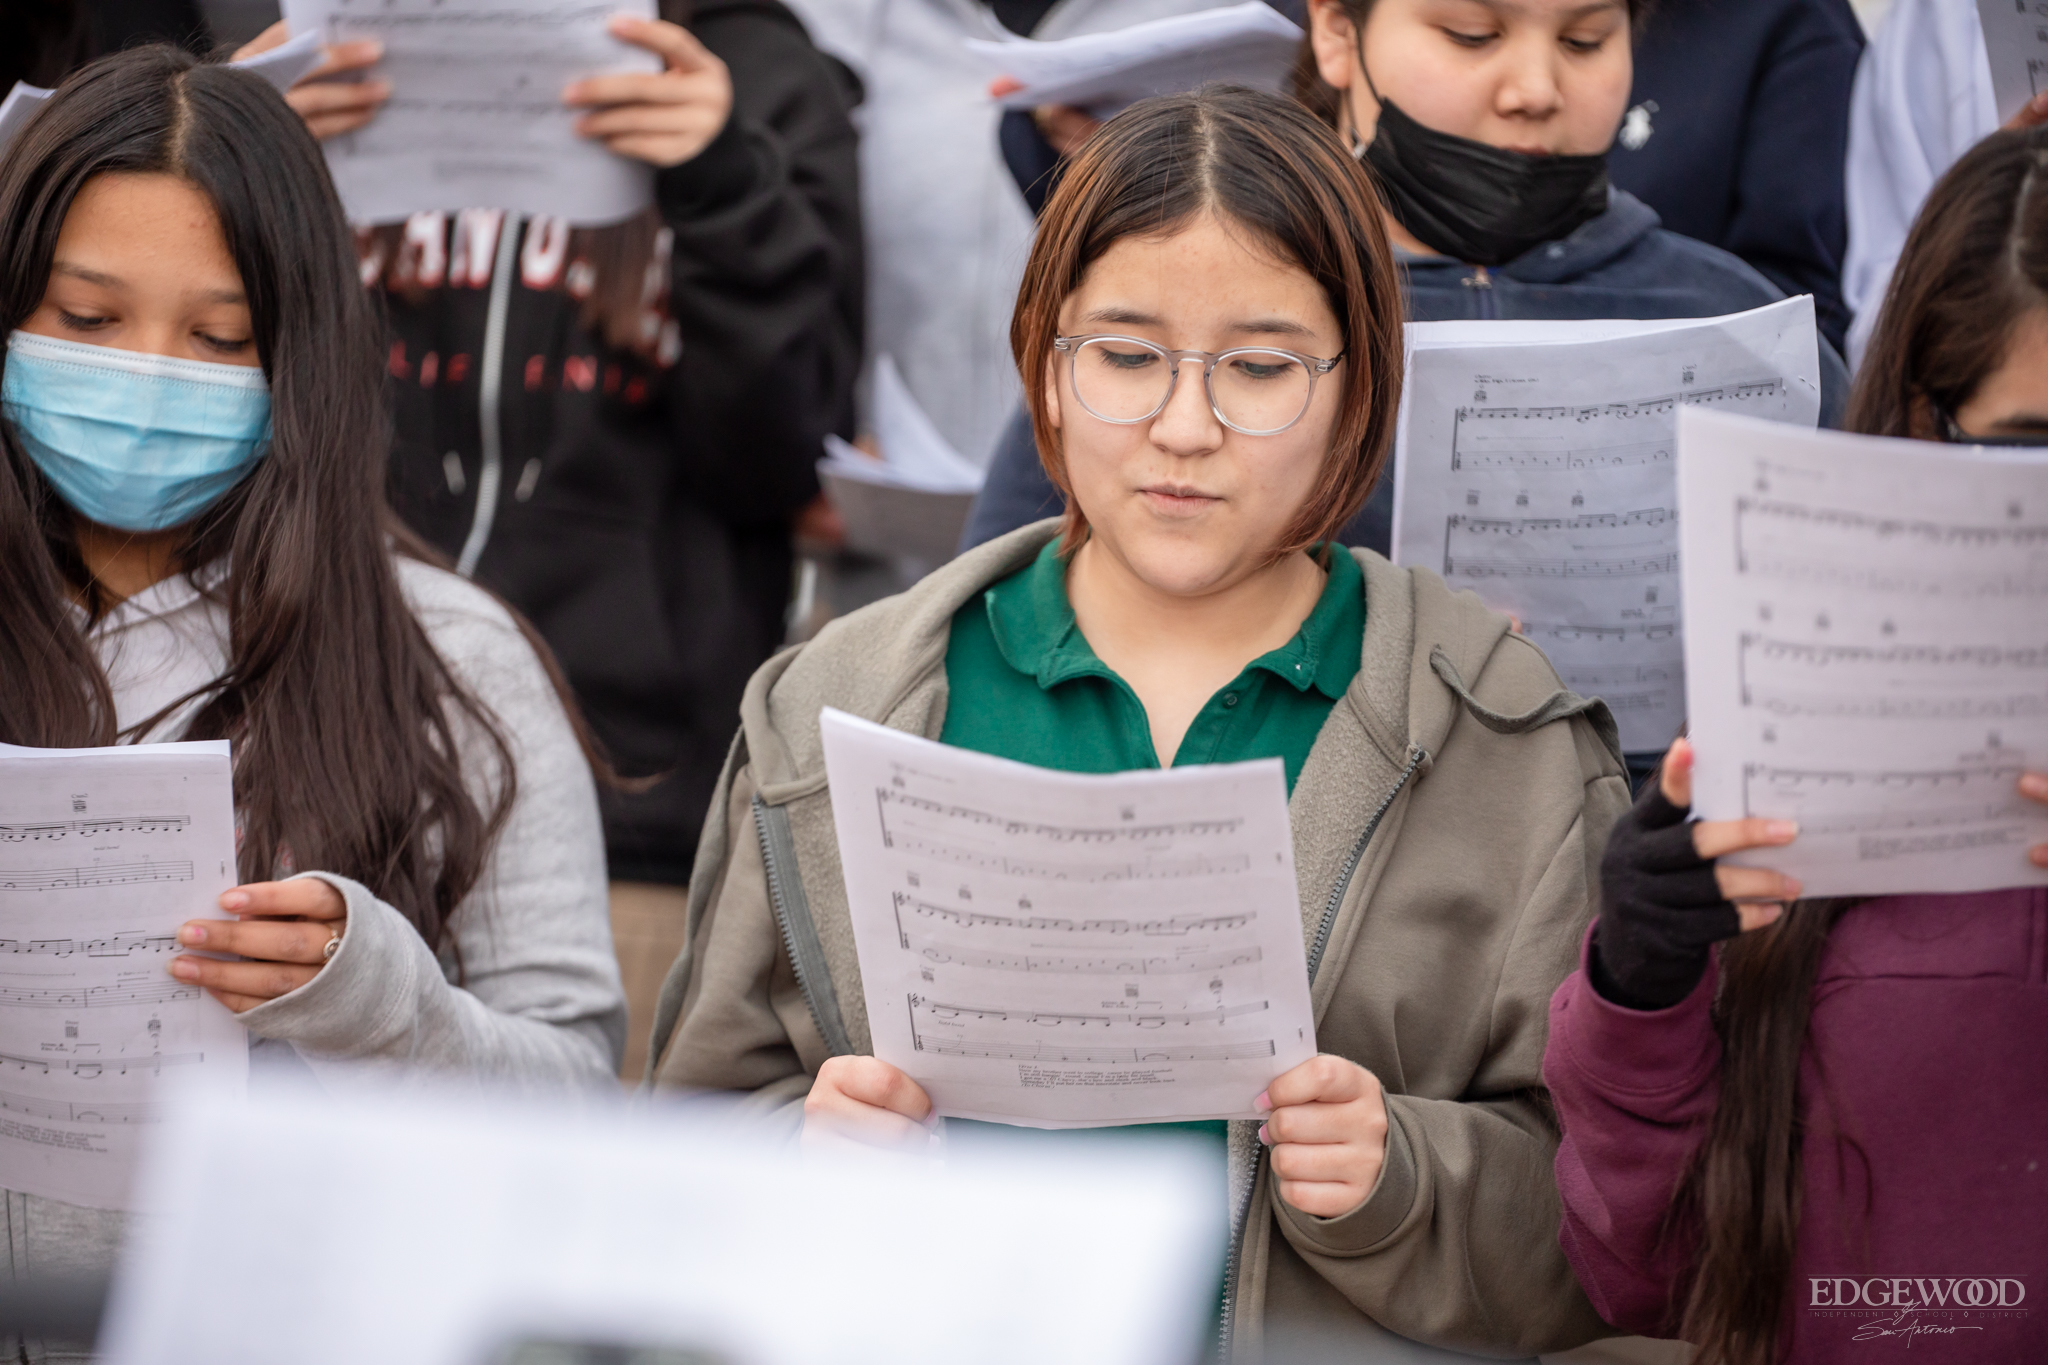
1620 265
1737 133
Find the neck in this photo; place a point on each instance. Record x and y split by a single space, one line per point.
1135 626
123 563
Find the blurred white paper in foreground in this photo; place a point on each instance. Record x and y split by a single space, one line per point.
1864 651
2016 44
103 854
418 1231
912 503
1248 44
475 118
1071 950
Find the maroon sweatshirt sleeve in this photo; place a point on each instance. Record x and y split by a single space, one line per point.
1634 1090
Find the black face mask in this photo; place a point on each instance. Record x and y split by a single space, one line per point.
1482 205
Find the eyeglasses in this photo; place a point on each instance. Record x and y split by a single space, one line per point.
1254 390
1953 433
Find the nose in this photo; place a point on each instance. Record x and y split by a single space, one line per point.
1528 86
1187 425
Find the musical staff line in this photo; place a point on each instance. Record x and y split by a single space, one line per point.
1054 924
1472 444
1107 1019
113 945
1826 546
887 797
1181 960
40 830
1004 864
97 997
107 874
86 1112
1893 682
88 1068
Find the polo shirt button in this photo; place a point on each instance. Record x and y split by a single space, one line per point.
1230 698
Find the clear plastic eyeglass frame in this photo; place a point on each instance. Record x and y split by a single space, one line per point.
1316 366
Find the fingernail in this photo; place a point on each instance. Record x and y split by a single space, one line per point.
2039 854
1262 1136
1782 829
185 969
2034 784
192 934
1264 1103
233 900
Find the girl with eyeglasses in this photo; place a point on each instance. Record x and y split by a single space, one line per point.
1209 333
194 545
1791 1127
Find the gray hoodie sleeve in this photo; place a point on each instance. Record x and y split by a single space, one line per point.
529 994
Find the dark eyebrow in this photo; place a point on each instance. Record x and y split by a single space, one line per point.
1131 317
2023 421
106 281
1572 16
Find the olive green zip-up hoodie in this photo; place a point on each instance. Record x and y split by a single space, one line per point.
1447 834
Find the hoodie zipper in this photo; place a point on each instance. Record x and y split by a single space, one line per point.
1417 755
1482 282
490 385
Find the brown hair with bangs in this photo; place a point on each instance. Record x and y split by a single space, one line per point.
1263 163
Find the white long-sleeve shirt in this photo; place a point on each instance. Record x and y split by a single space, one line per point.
1922 98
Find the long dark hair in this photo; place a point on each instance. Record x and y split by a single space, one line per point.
1975 262
345 721
1263 163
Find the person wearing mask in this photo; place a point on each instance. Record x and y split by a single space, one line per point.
1486 128
1762 1093
192 424
1736 131
628 474
943 273
1448 797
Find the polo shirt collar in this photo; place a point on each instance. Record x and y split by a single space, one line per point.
1034 628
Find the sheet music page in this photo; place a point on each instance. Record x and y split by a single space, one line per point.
1069 950
475 118
1539 473
103 854
1865 652
2016 42
1246 44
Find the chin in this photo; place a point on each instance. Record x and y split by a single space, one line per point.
1180 560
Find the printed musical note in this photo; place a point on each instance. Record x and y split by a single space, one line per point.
90 1068
106 874
1053 1018
1247 1051
1095 964
1894 682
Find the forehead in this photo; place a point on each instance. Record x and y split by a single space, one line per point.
146 229
1210 272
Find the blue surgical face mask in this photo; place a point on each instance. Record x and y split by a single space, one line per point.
133 441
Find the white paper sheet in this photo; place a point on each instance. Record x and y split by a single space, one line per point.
1068 950
284 64
19 106
912 503
1865 652
1249 44
335 1229
475 118
1538 472
103 854
2016 41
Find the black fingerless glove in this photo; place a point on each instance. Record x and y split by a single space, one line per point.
1661 911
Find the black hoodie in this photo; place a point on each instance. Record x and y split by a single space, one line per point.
643 497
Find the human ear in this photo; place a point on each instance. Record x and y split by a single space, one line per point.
1333 40
1052 391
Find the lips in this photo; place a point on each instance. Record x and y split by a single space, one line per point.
1181 499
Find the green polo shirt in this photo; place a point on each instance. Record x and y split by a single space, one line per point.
1025 685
